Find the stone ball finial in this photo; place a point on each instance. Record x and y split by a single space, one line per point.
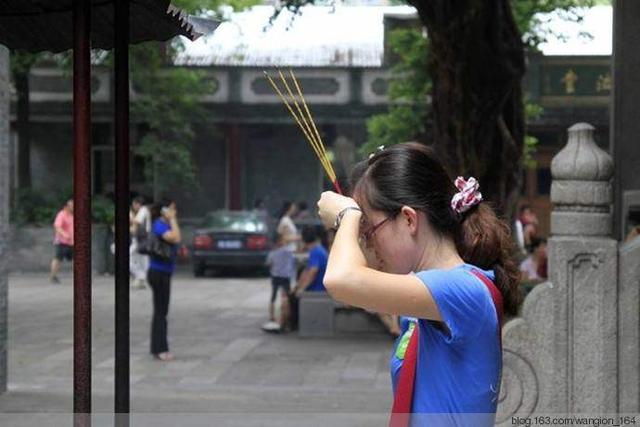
581 186
581 159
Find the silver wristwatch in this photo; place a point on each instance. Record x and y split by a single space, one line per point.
338 220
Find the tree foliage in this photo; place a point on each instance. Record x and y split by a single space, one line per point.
21 62
409 89
169 105
167 108
529 21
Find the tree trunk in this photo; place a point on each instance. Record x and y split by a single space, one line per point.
476 65
21 80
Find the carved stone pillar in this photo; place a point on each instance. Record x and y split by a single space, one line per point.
583 270
560 354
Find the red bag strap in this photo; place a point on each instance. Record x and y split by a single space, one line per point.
403 399
496 296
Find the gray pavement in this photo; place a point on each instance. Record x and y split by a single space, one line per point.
227 371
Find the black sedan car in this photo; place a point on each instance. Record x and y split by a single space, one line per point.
236 239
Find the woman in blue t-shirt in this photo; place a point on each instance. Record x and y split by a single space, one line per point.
164 226
414 243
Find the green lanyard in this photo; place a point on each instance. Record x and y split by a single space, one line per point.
401 349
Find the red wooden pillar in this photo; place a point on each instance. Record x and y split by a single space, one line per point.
235 170
82 212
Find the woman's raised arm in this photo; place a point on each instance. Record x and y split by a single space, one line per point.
348 279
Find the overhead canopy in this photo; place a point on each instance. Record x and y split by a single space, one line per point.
38 25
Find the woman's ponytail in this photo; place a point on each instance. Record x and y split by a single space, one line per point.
484 240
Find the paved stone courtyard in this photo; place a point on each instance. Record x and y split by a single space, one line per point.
227 371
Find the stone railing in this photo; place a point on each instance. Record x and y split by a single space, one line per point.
562 354
629 327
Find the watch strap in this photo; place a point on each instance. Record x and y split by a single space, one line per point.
341 214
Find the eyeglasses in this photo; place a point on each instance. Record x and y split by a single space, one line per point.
365 238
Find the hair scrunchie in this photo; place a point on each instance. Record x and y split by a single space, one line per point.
467 196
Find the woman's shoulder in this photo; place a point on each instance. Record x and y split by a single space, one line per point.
463 300
460 277
462 270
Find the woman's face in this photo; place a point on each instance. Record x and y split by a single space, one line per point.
387 242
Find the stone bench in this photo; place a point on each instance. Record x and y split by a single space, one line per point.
315 315
319 316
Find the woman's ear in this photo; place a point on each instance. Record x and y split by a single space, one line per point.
410 218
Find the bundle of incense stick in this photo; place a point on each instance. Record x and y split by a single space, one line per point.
305 122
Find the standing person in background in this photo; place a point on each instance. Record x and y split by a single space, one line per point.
521 219
518 231
140 227
286 228
282 266
534 267
165 227
63 239
530 224
303 211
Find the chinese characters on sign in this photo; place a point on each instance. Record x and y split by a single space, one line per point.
576 80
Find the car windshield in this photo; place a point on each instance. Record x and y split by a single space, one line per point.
235 221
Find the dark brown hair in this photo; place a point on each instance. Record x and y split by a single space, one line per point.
410 174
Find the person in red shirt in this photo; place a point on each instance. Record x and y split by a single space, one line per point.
63 239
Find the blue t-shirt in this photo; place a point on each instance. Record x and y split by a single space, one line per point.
318 258
457 372
160 227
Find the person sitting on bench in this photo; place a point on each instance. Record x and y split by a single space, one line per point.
312 276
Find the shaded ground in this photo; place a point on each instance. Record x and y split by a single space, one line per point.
227 372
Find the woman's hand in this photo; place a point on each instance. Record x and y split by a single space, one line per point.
171 213
331 204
